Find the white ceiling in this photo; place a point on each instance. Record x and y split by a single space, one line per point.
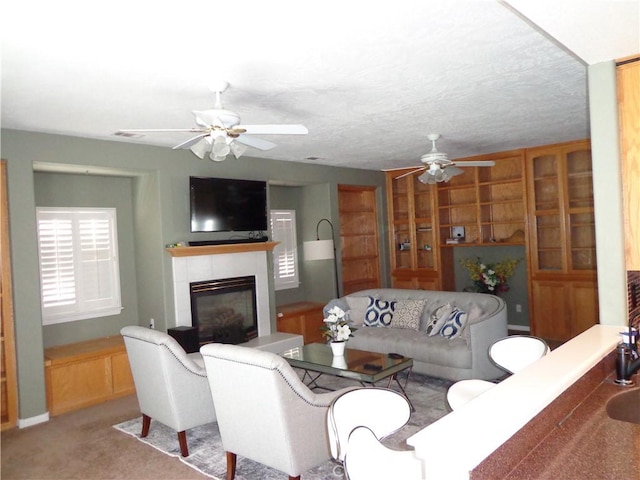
370 79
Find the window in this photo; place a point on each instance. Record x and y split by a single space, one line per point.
285 254
79 274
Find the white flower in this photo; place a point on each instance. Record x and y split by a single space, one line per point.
336 328
343 333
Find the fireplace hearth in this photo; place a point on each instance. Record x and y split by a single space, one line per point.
224 310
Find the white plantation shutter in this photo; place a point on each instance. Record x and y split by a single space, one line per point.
285 254
79 272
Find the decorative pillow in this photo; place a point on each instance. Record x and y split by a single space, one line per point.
474 313
358 308
407 314
438 317
454 324
380 313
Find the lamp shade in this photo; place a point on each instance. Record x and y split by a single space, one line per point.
318 250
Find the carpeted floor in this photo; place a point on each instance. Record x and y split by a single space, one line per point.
207 456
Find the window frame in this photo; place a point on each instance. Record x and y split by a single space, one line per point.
84 259
285 253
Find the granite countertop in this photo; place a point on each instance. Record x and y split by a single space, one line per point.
587 443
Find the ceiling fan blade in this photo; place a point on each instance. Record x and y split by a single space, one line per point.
478 163
275 129
419 169
153 130
192 141
258 143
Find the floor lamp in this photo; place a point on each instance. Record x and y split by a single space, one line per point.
323 250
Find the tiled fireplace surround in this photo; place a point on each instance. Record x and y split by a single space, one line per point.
195 264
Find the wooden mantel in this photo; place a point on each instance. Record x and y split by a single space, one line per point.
220 249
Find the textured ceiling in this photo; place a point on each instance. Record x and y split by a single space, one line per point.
369 79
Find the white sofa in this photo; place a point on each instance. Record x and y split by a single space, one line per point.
465 356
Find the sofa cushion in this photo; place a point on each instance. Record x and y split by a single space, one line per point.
358 308
454 324
421 347
438 317
379 313
407 314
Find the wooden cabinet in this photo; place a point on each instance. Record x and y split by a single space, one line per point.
359 238
302 318
86 373
416 261
563 308
487 202
628 76
562 248
8 378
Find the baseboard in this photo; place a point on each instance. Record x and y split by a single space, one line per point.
519 328
31 421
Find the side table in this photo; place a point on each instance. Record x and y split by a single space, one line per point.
303 318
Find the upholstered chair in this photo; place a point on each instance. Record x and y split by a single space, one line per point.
382 410
511 354
368 459
265 412
172 387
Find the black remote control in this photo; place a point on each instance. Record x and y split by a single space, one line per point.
395 356
370 366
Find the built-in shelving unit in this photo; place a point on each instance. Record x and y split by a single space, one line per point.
487 202
358 238
8 374
416 261
562 245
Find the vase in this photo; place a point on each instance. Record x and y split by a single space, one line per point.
338 348
339 362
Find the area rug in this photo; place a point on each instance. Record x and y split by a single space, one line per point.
207 455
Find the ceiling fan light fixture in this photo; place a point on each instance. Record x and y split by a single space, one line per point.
237 149
201 148
220 147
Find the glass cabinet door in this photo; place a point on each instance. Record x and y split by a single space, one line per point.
424 234
581 233
548 221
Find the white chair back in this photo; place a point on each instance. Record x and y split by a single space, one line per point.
368 459
516 352
265 412
382 410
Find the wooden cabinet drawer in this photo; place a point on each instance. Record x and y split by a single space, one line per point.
302 318
86 373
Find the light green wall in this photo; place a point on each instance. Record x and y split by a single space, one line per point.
63 190
607 194
160 203
518 293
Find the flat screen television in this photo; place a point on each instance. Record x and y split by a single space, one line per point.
228 205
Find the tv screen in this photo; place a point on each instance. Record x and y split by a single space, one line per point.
228 205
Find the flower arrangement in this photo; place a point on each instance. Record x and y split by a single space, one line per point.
490 277
336 327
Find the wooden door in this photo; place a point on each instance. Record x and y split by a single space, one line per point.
9 387
629 111
359 238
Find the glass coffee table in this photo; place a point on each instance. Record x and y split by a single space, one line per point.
368 368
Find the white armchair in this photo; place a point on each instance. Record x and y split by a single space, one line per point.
171 387
363 407
265 412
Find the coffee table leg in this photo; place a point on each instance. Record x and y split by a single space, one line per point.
402 388
310 381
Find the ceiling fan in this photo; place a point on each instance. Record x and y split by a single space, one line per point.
219 131
437 167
